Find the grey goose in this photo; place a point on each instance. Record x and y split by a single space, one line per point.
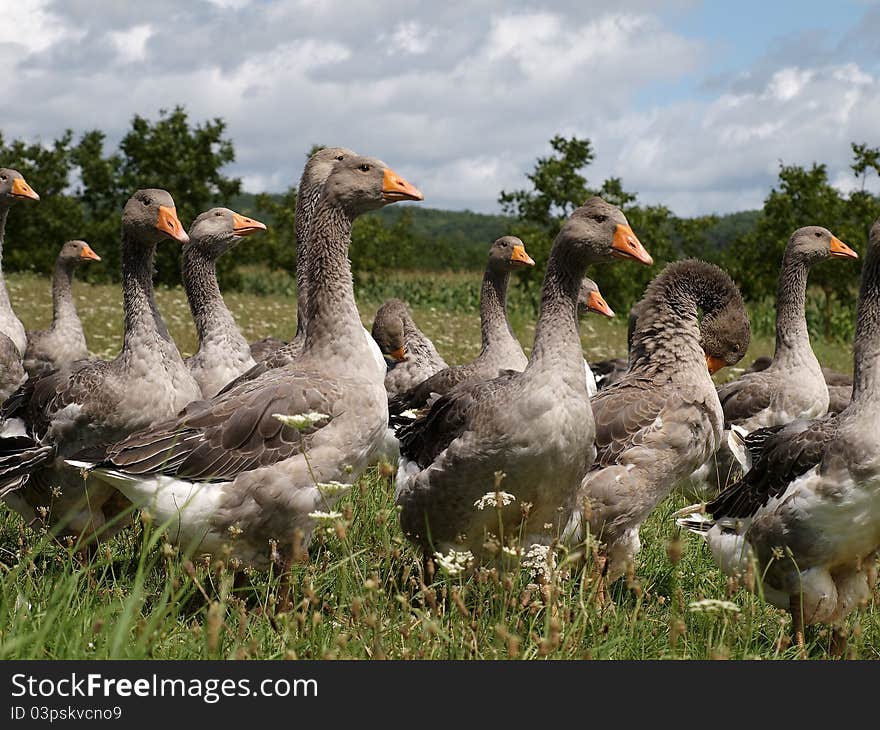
533 429
64 341
12 188
90 403
808 510
250 468
663 418
223 352
500 350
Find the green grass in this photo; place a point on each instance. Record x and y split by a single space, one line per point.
361 594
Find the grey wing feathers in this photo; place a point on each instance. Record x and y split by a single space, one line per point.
424 439
217 440
780 455
745 397
622 413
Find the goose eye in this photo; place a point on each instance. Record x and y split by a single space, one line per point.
146 202
340 157
599 218
364 168
218 213
818 235
3 178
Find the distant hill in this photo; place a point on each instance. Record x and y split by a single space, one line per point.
473 232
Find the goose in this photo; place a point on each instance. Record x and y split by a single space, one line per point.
12 187
223 352
500 349
590 299
533 430
808 510
608 372
64 341
92 402
663 419
793 385
311 183
247 470
421 357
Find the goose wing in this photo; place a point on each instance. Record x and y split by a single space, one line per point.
780 455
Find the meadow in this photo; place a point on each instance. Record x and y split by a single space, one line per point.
360 592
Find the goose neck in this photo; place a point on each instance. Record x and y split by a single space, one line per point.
333 326
866 347
144 325
212 318
792 337
494 326
64 314
557 339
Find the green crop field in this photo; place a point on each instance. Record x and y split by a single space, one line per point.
360 593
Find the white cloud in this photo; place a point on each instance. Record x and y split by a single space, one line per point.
410 38
131 44
459 100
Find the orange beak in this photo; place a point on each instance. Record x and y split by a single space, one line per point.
169 223
398 355
627 246
89 254
597 303
520 256
20 189
395 188
244 226
840 250
714 364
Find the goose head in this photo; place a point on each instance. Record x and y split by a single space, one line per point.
388 333
590 299
151 216
725 335
509 253
599 231
320 164
361 184
13 187
814 243
77 252
215 231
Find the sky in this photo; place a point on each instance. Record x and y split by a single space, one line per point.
692 104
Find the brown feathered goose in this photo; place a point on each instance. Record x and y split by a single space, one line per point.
663 419
12 187
534 426
93 402
230 477
261 349
65 340
500 349
808 511
422 359
223 352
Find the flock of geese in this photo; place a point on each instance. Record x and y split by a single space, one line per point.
240 448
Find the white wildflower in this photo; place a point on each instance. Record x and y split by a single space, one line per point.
454 562
513 552
713 605
332 489
540 560
325 516
301 421
494 499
